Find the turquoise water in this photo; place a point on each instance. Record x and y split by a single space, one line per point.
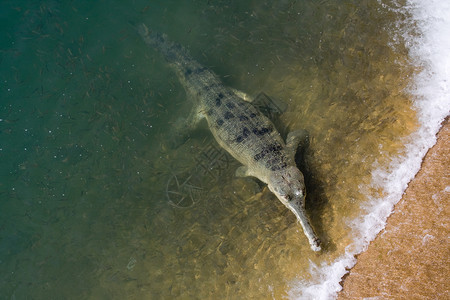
86 114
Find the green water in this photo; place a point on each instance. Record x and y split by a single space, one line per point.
87 109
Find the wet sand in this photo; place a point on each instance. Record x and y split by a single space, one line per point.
410 258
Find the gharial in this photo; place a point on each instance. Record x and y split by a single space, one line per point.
241 129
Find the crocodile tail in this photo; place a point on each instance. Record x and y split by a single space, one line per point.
171 51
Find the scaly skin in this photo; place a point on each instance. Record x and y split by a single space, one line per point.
241 130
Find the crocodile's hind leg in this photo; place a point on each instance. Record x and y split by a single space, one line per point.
269 106
183 127
243 96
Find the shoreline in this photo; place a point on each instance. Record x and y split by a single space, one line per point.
410 257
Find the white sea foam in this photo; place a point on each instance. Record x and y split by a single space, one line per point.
430 90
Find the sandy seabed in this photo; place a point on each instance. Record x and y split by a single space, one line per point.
410 258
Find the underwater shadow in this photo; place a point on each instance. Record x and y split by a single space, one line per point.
316 198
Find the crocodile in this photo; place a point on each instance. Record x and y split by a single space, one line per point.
240 128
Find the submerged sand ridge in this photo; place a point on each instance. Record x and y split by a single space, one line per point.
410 258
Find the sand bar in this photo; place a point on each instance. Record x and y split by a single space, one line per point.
410 258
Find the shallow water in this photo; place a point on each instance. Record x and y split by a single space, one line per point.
86 115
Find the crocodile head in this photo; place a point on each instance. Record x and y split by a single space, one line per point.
289 187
